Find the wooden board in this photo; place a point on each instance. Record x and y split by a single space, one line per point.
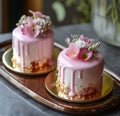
34 86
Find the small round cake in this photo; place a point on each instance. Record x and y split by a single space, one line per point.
32 43
80 68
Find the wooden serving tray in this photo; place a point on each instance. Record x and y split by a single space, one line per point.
34 86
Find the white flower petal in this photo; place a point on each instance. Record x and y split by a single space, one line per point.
80 44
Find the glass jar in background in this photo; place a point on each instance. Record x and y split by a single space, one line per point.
106 20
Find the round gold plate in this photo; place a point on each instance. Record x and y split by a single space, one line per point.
107 87
6 58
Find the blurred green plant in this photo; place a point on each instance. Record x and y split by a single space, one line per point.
112 9
112 13
107 13
81 6
79 10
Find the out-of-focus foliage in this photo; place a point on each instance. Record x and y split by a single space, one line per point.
75 11
81 6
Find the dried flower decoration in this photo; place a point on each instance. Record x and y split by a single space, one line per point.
81 47
34 25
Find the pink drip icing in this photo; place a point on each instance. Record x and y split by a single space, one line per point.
13 43
23 57
72 92
59 71
18 48
81 74
27 49
80 77
39 51
37 55
39 47
42 52
62 75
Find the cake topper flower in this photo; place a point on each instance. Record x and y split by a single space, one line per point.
34 25
37 14
81 48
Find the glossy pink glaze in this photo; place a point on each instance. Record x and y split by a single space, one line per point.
34 49
90 72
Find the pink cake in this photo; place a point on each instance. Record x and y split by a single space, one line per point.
80 68
32 43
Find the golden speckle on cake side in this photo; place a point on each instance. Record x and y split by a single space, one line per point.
38 65
87 93
35 66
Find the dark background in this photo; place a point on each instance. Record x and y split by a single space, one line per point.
77 11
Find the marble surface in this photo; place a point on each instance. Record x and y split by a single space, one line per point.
13 102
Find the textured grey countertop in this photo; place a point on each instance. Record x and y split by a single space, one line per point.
13 102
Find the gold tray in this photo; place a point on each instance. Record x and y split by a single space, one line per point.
35 88
107 87
7 62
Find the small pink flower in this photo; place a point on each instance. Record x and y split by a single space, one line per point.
38 14
89 55
72 51
26 30
86 40
29 21
84 54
